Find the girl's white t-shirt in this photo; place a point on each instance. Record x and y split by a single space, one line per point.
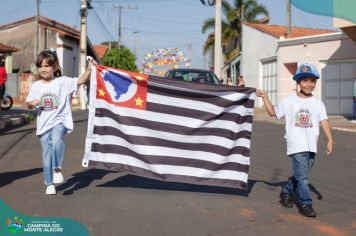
302 116
54 99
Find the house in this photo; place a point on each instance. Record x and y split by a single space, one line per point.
6 52
101 50
270 58
52 34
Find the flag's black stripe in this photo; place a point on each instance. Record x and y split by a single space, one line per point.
162 142
153 80
229 183
197 114
171 128
169 160
212 99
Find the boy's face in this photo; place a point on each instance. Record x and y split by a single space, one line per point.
307 85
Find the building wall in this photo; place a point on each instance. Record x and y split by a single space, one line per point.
256 46
68 51
319 51
23 38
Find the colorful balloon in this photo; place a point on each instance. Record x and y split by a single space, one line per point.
162 59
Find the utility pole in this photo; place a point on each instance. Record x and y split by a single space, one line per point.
242 19
119 29
120 8
217 44
37 27
83 50
289 18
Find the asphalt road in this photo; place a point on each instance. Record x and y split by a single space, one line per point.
111 203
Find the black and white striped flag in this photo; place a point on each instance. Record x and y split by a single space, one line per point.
169 130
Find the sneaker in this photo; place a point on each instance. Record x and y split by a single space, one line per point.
307 210
353 121
286 200
51 190
58 177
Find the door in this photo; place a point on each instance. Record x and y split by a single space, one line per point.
337 87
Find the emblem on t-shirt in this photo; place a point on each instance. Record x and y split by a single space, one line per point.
49 101
303 118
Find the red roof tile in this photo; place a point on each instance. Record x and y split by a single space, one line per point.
280 30
6 48
101 50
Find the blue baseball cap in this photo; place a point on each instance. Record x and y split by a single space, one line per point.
306 70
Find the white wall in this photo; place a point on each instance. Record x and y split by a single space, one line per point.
68 55
256 46
317 50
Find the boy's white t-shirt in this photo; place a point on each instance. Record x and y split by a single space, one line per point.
54 99
302 116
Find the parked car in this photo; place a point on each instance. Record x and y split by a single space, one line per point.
193 75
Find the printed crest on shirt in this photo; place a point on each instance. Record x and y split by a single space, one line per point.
49 101
303 118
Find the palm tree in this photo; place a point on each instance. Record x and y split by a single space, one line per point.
245 10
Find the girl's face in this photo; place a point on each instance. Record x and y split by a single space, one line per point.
46 71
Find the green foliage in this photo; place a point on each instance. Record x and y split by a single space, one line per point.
231 21
121 58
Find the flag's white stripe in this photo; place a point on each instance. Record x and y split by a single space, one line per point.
141 131
171 152
173 119
229 95
168 169
197 105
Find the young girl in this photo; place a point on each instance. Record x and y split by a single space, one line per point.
50 95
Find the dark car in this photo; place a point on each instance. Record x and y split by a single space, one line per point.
193 75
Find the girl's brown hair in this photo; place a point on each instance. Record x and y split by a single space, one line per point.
51 59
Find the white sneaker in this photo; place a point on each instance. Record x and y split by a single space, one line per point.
353 121
51 190
58 177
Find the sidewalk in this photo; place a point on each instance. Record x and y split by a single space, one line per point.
337 122
20 115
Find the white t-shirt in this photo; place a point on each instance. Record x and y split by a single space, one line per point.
54 99
302 116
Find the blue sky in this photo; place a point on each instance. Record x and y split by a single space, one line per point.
149 24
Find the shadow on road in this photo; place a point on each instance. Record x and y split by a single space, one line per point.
81 180
280 184
9 177
84 179
133 181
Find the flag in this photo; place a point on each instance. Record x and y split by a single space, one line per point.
174 131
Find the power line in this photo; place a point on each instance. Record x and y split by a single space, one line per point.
103 25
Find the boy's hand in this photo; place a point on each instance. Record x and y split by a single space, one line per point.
329 148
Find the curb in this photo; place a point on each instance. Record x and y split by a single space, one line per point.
9 121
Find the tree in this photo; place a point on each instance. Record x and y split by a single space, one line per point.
231 24
121 58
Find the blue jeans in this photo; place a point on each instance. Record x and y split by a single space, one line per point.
354 102
52 144
301 163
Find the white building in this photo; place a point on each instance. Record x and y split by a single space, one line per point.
270 58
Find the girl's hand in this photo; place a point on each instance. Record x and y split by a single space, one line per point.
35 102
91 61
260 93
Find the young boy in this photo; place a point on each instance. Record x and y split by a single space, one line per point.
302 113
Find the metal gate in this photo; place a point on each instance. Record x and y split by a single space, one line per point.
338 79
12 85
